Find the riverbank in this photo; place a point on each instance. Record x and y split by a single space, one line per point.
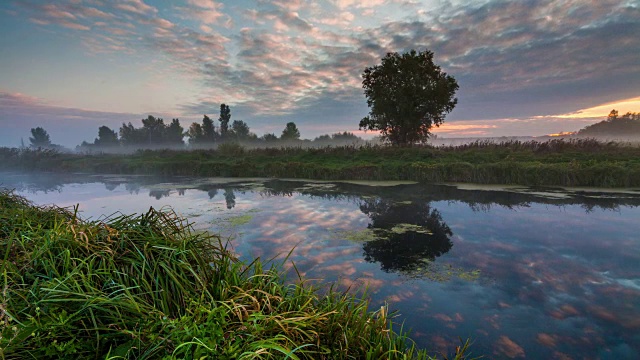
147 286
581 162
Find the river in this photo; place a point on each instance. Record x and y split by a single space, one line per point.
524 272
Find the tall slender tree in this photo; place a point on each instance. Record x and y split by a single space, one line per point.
225 117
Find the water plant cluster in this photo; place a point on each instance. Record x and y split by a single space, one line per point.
148 286
578 162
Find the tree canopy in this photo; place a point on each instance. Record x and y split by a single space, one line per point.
290 132
106 137
39 138
407 95
627 125
153 132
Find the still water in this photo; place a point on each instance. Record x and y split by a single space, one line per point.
525 273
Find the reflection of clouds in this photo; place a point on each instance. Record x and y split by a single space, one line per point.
555 281
507 347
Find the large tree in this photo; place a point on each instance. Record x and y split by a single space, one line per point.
39 138
407 95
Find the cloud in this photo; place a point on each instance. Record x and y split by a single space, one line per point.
19 113
512 59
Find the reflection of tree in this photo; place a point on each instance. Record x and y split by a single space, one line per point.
159 194
212 193
110 185
408 234
132 187
230 198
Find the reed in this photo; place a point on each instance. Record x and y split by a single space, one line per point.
148 286
558 162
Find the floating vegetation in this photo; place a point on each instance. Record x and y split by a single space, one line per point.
239 220
359 235
431 270
404 228
149 287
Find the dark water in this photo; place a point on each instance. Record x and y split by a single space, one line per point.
535 273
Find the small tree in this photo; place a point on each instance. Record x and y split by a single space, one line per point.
269 137
106 137
290 132
39 138
407 95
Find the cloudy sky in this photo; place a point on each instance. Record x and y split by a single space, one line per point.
524 67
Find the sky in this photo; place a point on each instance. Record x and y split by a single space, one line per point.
528 67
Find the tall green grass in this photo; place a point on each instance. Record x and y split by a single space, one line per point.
148 287
578 162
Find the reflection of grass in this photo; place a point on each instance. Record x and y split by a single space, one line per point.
148 287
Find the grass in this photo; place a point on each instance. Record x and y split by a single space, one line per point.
578 162
147 286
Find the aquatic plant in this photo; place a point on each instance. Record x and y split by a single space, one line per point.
148 286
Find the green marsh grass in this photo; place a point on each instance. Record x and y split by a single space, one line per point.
149 287
558 162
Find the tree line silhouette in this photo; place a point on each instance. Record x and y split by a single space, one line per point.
155 133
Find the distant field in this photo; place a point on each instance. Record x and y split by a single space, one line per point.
577 162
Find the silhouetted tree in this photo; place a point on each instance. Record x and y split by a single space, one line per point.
290 132
269 137
345 136
627 125
407 94
323 138
153 129
106 137
209 132
174 133
130 136
195 133
240 130
39 138
225 117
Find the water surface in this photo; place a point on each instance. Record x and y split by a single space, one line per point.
535 273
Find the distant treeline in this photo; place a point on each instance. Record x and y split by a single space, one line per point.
155 133
627 125
559 162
